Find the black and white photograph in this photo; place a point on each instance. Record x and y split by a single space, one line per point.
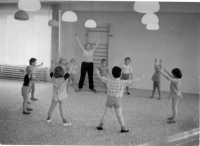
110 72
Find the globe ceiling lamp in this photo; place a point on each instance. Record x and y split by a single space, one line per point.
90 23
29 5
146 7
150 18
69 16
21 15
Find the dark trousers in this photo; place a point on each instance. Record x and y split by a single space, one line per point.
86 67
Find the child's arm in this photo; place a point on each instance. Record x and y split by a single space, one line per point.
131 73
109 73
169 78
155 63
128 82
39 65
98 74
168 73
95 47
161 65
79 43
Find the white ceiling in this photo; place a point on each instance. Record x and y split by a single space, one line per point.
82 5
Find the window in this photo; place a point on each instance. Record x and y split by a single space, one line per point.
22 40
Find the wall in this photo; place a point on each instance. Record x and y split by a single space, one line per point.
176 43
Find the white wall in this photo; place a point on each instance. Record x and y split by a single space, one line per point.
176 42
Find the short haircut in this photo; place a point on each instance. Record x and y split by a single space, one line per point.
32 60
127 58
58 72
116 71
102 60
177 73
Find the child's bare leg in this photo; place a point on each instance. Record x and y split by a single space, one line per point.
74 83
159 92
100 127
120 119
99 83
174 110
33 92
25 101
127 90
153 91
51 109
68 84
61 107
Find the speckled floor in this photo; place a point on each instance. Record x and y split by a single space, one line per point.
146 119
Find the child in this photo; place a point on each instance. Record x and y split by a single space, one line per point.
63 62
73 70
127 72
59 93
33 63
156 79
175 92
115 88
103 71
26 89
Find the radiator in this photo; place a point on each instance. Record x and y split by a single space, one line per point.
14 72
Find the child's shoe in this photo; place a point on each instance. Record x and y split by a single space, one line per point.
48 120
26 113
65 123
100 128
124 130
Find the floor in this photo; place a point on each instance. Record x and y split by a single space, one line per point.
145 117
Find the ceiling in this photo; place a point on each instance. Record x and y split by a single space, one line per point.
121 6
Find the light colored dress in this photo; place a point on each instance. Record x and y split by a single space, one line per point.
175 92
59 88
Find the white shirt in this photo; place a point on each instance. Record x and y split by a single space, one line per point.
88 56
73 69
126 69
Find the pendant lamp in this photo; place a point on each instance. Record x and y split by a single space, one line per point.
146 7
21 15
150 18
53 23
69 16
29 5
90 23
152 26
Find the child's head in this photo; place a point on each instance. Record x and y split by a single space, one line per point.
29 69
116 71
103 62
72 60
59 72
62 61
32 61
177 73
88 46
158 67
127 60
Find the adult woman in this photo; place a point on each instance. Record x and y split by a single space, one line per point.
87 64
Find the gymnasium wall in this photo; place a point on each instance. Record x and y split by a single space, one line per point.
176 43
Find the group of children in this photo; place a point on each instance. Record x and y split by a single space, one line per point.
115 84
